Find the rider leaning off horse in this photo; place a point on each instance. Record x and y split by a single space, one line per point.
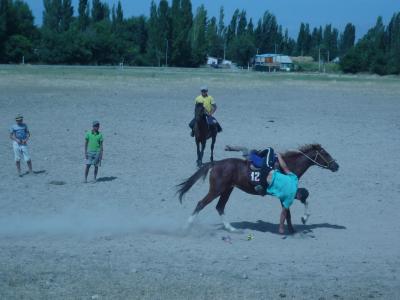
276 179
210 107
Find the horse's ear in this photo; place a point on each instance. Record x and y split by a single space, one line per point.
317 147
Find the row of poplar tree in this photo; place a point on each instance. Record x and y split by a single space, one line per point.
172 35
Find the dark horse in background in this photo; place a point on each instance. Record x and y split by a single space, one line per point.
202 132
229 173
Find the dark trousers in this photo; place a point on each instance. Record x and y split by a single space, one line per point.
211 124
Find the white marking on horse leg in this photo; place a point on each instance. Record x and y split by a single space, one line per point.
190 221
226 223
191 218
306 215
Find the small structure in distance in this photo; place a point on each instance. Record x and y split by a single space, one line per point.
273 62
219 63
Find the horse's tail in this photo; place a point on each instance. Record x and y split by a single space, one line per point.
188 183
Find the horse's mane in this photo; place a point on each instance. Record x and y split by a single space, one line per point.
305 148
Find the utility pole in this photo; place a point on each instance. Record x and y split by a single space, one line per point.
166 54
319 59
224 50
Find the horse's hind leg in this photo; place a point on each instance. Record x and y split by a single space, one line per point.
221 209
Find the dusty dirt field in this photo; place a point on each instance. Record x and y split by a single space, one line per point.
122 238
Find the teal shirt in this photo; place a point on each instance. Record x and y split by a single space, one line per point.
284 187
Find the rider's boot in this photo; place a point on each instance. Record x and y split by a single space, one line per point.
260 190
191 125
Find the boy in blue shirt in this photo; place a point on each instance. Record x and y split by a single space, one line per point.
19 134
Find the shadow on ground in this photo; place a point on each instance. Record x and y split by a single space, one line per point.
39 172
34 172
106 179
273 228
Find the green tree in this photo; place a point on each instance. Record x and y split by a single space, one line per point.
231 31
370 54
83 15
17 47
100 11
103 44
316 42
329 47
393 38
3 26
304 40
181 52
266 33
242 24
198 37
351 62
163 25
214 48
347 38
52 15
67 12
136 36
17 31
242 50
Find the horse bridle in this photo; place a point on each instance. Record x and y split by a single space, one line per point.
328 163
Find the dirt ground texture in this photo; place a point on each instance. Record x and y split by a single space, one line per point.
122 237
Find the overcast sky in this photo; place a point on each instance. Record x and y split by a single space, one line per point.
290 13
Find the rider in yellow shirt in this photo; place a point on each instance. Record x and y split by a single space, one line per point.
210 108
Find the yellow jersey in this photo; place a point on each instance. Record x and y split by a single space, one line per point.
206 101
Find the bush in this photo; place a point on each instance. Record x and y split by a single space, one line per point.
350 63
17 47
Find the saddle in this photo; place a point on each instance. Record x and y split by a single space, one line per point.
259 165
258 177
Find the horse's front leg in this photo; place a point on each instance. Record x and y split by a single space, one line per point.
199 155
214 137
203 146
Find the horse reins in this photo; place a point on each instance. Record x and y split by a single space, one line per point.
315 159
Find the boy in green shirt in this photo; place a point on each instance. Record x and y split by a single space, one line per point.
93 149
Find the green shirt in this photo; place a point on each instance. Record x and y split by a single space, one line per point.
94 141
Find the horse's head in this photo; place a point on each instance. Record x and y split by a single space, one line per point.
199 111
320 157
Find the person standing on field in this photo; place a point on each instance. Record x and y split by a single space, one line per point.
20 135
93 149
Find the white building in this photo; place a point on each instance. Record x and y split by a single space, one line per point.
212 60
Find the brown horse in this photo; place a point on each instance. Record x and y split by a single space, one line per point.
202 132
234 172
